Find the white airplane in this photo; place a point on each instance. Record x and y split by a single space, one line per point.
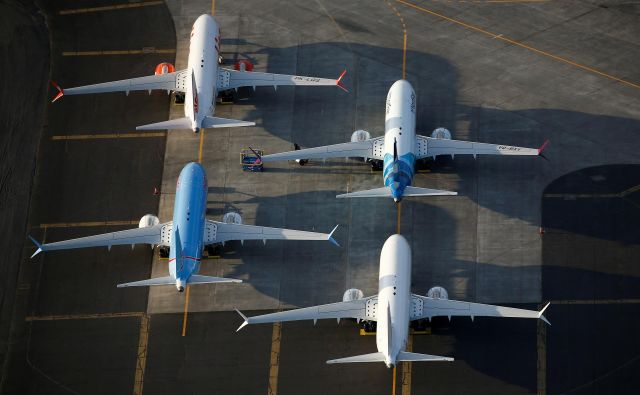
200 81
393 308
400 147
186 235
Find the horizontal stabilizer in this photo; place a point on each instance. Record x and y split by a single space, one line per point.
415 191
179 123
386 192
198 279
152 281
373 357
404 356
213 122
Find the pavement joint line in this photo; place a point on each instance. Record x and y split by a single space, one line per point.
572 196
520 44
87 224
107 136
595 301
143 51
406 370
186 312
141 361
274 363
110 7
83 316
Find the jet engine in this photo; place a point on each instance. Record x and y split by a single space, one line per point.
441 133
232 218
164 68
243 65
352 294
438 293
360 135
148 221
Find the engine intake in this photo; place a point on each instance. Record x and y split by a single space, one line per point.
441 134
360 135
438 293
232 218
148 221
352 294
164 68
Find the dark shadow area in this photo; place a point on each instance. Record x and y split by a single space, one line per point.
24 70
590 261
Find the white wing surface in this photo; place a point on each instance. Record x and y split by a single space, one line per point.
176 81
373 148
231 79
353 309
430 147
148 235
426 307
218 232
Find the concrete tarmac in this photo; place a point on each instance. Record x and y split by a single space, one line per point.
483 245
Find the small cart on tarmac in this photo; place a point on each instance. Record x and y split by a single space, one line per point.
250 159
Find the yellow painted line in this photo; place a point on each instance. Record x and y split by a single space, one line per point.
144 51
274 363
186 311
110 7
201 145
393 386
406 370
213 7
88 224
141 361
399 217
404 56
107 136
83 316
520 44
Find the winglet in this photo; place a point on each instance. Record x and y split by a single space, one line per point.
339 81
39 250
244 317
60 91
331 239
542 317
543 146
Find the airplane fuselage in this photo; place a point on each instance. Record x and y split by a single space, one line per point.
399 138
188 224
394 298
204 48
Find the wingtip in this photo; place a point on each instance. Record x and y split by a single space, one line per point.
39 250
244 323
541 314
331 239
60 91
543 146
339 81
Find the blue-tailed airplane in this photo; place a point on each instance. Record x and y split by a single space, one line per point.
400 147
186 235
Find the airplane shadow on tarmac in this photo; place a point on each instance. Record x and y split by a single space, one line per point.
317 273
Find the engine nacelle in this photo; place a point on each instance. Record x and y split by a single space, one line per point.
352 294
164 68
438 293
148 221
232 218
360 135
441 133
243 65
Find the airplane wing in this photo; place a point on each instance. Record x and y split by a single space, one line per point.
426 307
218 232
176 81
430 147
232 79
148 235
373 148
353 309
